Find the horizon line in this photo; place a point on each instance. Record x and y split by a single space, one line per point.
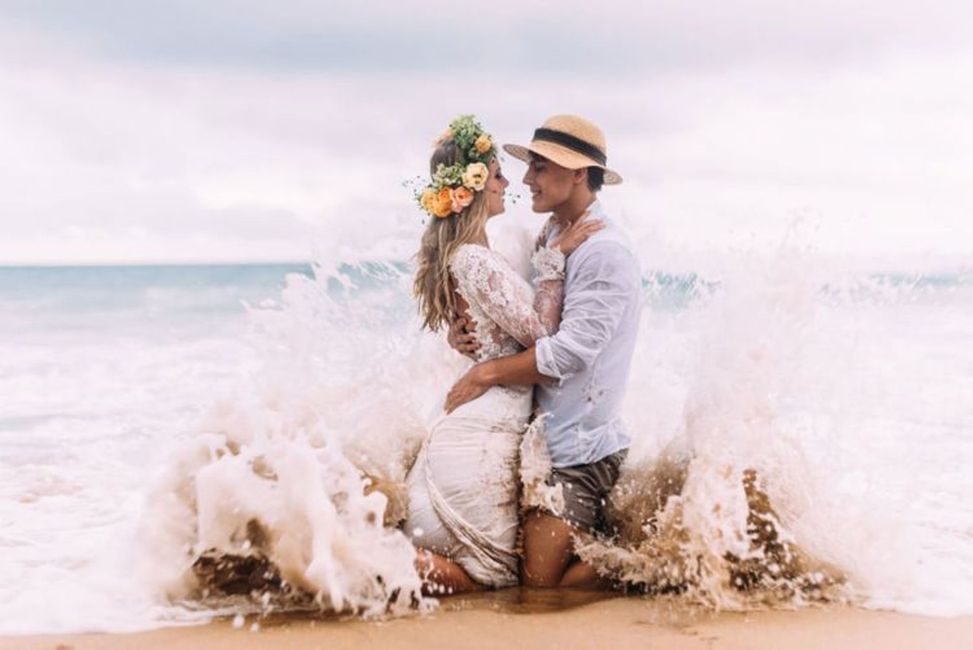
148 263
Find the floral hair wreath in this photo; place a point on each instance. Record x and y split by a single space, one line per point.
453 186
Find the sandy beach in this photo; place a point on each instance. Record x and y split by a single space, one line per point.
518 620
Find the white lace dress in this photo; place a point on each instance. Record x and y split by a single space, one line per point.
463 486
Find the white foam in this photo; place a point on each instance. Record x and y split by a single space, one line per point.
851 402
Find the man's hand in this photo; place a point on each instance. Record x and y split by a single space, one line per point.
470 386
462 337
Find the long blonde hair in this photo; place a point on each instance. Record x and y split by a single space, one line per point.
433 286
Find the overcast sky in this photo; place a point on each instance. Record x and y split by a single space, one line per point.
189 131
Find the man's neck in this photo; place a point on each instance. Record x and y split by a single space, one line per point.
573 209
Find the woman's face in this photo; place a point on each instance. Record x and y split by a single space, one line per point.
495 186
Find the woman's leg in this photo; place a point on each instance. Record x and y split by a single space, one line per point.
441 576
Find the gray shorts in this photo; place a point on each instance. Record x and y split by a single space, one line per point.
586 489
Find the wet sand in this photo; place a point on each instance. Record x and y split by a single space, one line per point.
517 619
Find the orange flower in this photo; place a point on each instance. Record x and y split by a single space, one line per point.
483 143
427 200
443 137
462 197
443 203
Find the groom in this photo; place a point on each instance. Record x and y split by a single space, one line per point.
581 372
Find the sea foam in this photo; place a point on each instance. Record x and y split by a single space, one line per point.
146 429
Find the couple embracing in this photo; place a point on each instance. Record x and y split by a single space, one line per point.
552 354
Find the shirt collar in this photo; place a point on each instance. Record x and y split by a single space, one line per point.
595 209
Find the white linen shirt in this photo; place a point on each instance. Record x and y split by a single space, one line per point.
591 353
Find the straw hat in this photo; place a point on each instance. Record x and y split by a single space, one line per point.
569 141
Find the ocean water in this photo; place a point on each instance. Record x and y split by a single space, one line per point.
150 412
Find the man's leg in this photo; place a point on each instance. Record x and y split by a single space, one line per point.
548 549
549 558
583 576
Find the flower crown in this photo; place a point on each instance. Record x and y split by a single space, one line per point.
452 186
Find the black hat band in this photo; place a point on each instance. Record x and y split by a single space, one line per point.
574 144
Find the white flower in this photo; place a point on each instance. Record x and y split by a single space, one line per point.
475 176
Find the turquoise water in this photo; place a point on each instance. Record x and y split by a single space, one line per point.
112 298
67 296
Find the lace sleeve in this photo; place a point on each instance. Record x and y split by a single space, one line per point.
548 266
506 298
544 234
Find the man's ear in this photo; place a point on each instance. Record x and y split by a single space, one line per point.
580 176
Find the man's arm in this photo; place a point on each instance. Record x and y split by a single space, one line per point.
516 369
604 286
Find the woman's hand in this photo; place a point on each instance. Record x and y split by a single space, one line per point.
576 234
470 386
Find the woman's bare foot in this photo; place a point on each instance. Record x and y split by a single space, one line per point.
441 576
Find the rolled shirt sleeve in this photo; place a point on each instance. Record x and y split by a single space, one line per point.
598 290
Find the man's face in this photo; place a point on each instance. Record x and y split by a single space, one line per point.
550 184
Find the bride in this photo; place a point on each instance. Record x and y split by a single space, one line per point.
463 506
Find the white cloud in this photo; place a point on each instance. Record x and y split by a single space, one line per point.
507 36
107 156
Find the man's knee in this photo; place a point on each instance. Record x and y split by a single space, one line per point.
537 580
548 549
541 573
